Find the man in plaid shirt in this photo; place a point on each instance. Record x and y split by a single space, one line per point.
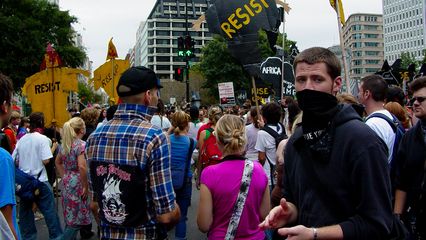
129 162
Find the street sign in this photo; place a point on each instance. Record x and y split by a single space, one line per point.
226 93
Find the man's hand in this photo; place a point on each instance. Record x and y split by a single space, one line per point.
297 232
278 216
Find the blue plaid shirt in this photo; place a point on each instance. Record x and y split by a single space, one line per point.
130 139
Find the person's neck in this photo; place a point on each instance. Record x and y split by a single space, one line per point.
373 107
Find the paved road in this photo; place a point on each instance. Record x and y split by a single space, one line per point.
192 228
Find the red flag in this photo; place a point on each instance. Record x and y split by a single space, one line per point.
112 51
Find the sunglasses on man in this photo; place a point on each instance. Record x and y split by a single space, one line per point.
418 99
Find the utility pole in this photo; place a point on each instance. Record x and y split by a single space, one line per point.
187 57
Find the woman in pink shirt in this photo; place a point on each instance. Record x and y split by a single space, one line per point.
220 185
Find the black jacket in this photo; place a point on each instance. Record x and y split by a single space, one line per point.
410 161
342 179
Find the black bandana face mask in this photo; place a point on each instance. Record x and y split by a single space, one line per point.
315 101
318 110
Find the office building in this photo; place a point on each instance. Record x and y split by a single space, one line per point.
363 40
156 37
404 28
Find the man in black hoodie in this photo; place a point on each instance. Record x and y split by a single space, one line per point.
336 183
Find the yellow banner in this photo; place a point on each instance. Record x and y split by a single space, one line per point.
107 75
48 92
342 14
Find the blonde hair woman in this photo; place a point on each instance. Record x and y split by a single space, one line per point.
221 186
181 148
71 165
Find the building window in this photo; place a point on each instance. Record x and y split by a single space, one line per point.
178 33
163 24
163 67
163 50
371 53
371 44
370 61
163 59
162 33
163 41
178 25
371 35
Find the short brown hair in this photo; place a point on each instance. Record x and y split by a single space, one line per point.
418 84
6 89
36 120
376 85
320 55
90 116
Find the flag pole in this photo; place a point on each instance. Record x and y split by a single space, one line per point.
345 67
112 71
255 96
282 64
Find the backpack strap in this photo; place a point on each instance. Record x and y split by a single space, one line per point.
208 132
241 199
391 122
188 157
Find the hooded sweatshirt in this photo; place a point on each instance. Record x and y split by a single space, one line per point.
341 178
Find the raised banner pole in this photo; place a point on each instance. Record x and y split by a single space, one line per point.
345 66
255 96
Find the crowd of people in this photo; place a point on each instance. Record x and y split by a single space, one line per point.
325 166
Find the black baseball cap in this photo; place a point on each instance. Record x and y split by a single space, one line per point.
137 80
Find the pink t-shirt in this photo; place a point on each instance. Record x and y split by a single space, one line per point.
223 180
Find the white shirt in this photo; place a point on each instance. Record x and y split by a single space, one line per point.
266 143
383 130
162 122
30 151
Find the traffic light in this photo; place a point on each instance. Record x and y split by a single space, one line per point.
181 47
179 74
189 46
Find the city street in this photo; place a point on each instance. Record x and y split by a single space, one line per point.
192 228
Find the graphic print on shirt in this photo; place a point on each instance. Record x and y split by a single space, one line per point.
118 190
113 208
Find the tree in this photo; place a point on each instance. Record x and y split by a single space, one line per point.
87 94
217 65
26 27
407 59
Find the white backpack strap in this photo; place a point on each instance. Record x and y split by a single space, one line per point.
241 199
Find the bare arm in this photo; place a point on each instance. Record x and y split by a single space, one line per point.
302 232
265 206
7 213
82 168
171 218
199 163
262 157
59 165
400 198
205 209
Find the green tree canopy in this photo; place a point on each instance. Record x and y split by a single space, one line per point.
217 64
26 27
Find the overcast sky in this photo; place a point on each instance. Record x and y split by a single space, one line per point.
310 22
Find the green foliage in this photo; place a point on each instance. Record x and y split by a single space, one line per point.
87 94
217 65
265 50
26 27
407 59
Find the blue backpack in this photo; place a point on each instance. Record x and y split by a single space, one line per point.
27 187
399 131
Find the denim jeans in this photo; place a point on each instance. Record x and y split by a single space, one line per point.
70 233
45 202
183 199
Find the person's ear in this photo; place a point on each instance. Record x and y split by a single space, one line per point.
4 107
337 84
147 98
